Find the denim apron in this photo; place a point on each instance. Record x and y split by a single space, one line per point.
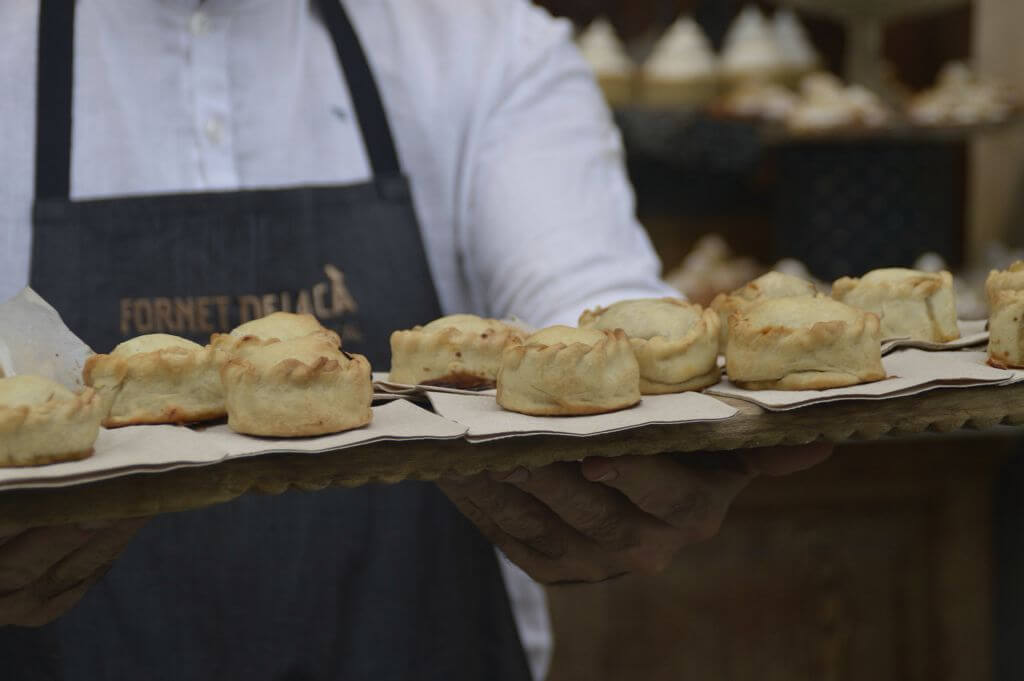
381 582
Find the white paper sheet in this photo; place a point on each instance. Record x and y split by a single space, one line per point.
154 449
972 333
485 420
38 342
910 372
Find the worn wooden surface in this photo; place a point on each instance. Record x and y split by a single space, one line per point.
148 494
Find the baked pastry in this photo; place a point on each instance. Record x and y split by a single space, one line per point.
562 371
606 54
769 285
1006 317
675 342
798 54
910 303
751 50
682 69
754 99
827 104
458 351
157 379
803 343
278 326
43 422
961 97
300 387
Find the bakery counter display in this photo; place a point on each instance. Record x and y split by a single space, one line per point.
278 403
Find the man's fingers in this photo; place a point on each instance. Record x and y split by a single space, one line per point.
694 502
598 512
777 461
512 511
100 551
29 555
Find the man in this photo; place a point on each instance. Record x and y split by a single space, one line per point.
233 154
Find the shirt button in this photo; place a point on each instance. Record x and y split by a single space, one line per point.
214 130
199 24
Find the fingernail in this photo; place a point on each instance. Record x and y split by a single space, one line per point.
514 477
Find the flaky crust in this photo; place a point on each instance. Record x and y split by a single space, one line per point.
298 388
676 346
62 428
569 379
1006 329
277 326
176 384
1011 279
803 344
769 285
460 351
910 304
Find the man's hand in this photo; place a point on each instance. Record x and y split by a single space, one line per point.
602 518
45 571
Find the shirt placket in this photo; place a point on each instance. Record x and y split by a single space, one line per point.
212 114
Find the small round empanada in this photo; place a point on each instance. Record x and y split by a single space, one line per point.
769 285
675 342
803 343
1006 317
910 303
562 371
43 422
300 387
277 326
459 351
158 379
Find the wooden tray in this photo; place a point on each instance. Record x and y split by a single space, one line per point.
191 488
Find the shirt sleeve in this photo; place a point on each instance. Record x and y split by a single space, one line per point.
550 227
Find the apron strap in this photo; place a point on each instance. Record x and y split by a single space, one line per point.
54 78
55 85
373 120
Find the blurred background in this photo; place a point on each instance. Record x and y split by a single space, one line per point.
826 137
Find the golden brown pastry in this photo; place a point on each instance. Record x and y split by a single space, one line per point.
158 379
562 371
769 285
803 343
1005 291
675 342
278 326
300 387
459 351
910 303
43 422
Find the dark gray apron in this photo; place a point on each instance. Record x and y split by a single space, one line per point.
375 583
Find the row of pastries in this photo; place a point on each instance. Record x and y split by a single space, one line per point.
285 375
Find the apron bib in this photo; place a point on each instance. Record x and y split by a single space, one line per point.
374 583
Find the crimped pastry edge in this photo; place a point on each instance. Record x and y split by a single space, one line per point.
117 379
449 356
66 430
526 396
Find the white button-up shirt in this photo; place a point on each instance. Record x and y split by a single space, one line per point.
516 166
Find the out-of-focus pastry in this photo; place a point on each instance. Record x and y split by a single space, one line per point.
1005 290
562 371
910 303
158 379
682 69
961 97
827 104
751 50
43 422
711 268
458 351
755 99
615 71
278 326
803 343
675 342
798 54
300 387
769 285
